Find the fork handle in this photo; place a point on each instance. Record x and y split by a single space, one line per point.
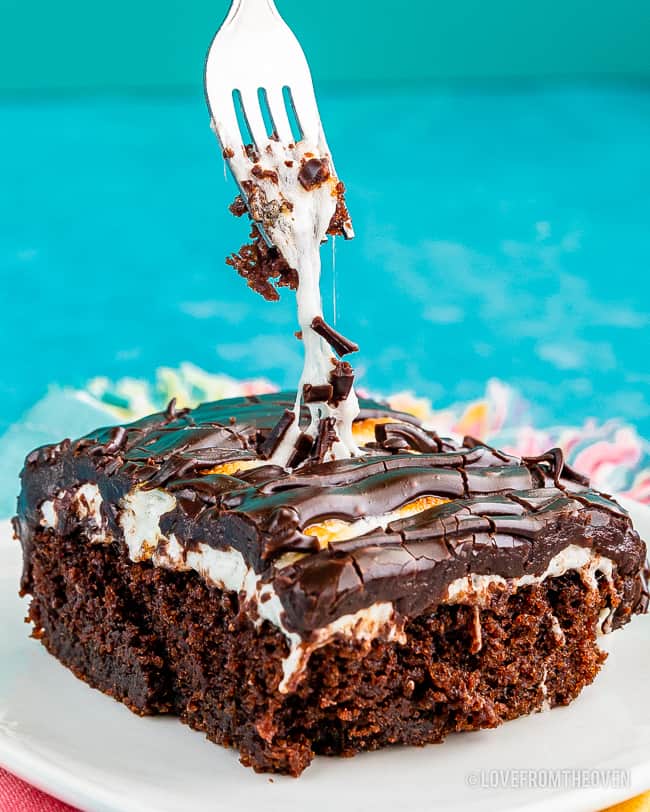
250 12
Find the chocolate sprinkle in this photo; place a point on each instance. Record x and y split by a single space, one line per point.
277 433
339 343
302 451
326 438
341 378
319 393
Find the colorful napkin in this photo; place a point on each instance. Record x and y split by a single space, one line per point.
17 796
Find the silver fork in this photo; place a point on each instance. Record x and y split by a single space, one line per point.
255 50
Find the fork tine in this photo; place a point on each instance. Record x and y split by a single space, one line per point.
279 115
304 103
254 119
224 122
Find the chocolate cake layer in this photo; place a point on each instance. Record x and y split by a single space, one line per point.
167 642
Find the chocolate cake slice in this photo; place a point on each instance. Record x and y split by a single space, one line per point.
421 588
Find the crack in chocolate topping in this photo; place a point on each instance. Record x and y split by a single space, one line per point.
506 516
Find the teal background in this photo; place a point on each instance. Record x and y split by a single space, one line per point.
160 44
497 162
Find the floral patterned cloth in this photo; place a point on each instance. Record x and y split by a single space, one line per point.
610 453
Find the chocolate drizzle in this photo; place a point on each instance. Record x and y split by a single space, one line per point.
408 435
553 461
505 516
172 413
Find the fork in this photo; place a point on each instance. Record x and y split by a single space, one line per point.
256 63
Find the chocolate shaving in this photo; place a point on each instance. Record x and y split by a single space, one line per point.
320 393
302 450
326 438
339 343
341 378
276 434
49 454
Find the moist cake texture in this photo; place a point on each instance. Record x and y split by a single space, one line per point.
422 587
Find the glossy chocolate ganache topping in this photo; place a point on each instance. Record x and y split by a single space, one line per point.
400 524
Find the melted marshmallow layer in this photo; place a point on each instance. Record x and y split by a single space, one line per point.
139 518
292 193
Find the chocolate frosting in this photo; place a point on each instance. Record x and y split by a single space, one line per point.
505 516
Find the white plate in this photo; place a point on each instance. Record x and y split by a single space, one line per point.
92 752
